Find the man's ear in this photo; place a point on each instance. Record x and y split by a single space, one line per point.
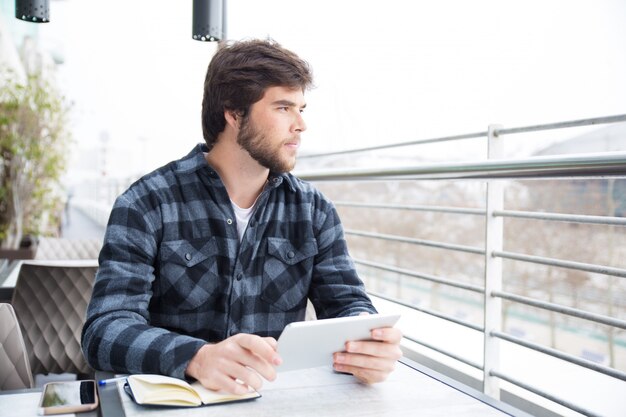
232 118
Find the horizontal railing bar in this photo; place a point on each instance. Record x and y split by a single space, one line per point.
544 394
399 144
574 312
445 352
561 125
437 209
502 131
572 218
432 278
427 311
421 242
577 165
561 355
598 269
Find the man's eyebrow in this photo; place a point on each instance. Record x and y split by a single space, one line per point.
287 103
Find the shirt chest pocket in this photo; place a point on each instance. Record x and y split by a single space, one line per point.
287 272
188 273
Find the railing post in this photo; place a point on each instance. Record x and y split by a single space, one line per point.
493 269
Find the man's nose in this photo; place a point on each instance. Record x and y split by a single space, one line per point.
300 125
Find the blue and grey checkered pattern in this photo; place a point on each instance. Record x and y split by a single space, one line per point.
173 274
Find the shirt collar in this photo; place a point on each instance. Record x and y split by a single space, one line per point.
195 161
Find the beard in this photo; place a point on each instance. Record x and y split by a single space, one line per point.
261 149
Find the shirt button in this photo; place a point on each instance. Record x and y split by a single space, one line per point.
239 277
290 254
188 256
275 180
229 221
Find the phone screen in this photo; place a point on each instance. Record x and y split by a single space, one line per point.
73 393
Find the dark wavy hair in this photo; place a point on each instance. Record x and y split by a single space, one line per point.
238 76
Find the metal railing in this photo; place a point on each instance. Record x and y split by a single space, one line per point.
493 170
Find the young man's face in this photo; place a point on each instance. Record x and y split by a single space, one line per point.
271 132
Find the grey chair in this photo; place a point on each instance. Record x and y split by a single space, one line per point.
15 370
50 301
53 248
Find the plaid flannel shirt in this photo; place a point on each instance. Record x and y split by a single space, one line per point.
173 274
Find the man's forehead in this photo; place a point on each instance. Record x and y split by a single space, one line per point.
284 94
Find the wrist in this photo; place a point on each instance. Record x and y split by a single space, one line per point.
194 367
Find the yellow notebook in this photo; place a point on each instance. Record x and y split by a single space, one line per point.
147 389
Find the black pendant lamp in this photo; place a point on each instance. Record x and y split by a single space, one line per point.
209 20
36 11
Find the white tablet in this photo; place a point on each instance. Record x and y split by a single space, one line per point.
307 344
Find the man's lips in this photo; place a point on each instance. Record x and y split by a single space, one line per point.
293 144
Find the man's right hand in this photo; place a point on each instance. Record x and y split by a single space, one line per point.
242 357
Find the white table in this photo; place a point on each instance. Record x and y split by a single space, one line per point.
412 390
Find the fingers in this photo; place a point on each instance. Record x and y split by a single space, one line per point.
386 344
367 368
249 352
260 355
223 382
371 361
264 348
366 375
272 342
235 363
387 334
241 378
365 362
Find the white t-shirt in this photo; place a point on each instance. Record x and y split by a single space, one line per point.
242 216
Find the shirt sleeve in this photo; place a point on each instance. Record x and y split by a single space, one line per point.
117 335
336 289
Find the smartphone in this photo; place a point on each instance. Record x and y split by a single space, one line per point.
68 397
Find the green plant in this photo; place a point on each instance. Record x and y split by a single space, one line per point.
34 141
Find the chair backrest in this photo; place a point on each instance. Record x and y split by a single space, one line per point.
54 248
51 302
15 370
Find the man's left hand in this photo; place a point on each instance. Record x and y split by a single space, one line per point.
372 360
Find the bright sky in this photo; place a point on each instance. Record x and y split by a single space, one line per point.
385 71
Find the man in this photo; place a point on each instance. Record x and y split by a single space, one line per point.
208 258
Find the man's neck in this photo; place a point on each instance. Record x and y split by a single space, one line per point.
243 177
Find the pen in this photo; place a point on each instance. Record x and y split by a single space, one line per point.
104 382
